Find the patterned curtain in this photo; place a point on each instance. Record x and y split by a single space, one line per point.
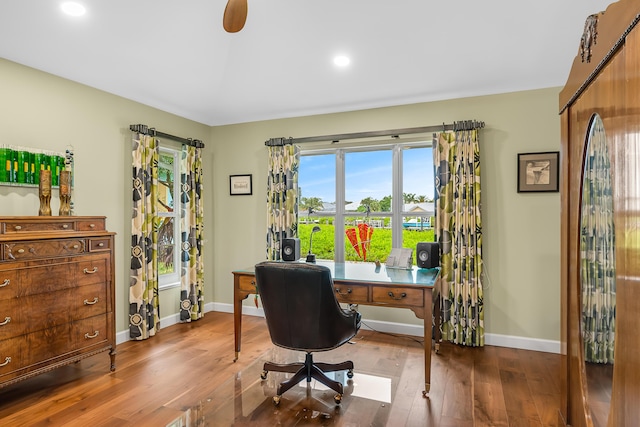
282 197
597 250
144 310
458 229
191 226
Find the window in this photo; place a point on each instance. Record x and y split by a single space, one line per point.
168 220
317 203
366 200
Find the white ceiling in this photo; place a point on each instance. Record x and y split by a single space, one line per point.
174 54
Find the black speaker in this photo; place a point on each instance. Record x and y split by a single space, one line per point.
291 249
428 254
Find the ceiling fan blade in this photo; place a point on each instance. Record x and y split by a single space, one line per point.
235 15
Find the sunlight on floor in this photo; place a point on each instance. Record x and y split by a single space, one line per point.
362 385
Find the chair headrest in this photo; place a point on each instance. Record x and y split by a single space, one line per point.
292 266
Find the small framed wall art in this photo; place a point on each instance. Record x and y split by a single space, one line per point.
240 185
538 172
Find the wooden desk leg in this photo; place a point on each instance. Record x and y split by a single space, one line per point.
237 315
428 311
437 315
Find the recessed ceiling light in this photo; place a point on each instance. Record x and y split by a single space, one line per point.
341 60
72 8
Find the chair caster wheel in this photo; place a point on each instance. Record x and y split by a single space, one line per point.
276 400
350 373
263 375
338 399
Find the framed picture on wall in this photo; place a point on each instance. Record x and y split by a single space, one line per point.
538 172
240 185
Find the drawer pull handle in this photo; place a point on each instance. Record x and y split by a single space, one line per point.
101 244
5 283
20 251
402 295
75 246
18 228
339 291
87 302
65 226
6 320
92 226
7 360
86 271
87 336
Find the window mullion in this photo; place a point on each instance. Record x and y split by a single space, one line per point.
338 223
177 207
397 201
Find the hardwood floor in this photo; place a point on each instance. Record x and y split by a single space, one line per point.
186 368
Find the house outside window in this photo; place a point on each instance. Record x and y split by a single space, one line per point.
366 200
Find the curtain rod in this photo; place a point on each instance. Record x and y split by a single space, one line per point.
393 133
153 132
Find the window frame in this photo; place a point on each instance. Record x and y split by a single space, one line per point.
397 201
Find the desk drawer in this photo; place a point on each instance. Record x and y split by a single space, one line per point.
351 293
247 284
398 296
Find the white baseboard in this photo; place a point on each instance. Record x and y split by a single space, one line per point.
533 344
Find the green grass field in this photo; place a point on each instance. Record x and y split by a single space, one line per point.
379 247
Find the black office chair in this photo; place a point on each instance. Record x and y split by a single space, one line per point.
303 314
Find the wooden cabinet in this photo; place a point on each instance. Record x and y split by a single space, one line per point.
56 293
604 81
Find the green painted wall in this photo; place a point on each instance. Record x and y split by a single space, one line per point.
521 231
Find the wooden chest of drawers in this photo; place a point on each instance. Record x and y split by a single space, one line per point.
56 293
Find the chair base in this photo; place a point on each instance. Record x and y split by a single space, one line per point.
308 370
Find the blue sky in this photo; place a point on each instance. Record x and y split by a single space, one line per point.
368 174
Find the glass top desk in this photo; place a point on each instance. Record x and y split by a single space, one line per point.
367 284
